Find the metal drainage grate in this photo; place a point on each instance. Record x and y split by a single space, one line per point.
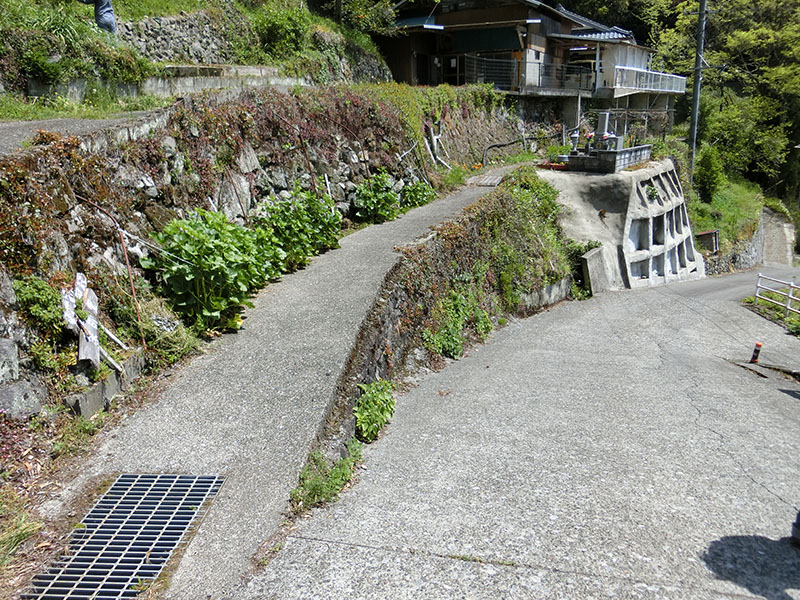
126 539
488 181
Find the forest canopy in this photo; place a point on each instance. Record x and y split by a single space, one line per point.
751 95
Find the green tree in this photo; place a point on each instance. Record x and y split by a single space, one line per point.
708 174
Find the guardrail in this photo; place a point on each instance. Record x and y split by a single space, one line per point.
790 296
652 81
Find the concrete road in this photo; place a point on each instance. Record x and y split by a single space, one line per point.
607 448
250 407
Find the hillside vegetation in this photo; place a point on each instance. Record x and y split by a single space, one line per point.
52 41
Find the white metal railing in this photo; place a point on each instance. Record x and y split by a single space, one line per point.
652 81
790 296
503 73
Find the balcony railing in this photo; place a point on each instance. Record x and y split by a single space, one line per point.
562 77
651 81
504 74
514 75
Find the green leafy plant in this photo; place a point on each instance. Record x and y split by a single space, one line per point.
416 194
553 152
41 305
373 409
457 311
299 227
210 267
453 178
375 201
320 481
580 289
282 32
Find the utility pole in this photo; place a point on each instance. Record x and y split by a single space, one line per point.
698 80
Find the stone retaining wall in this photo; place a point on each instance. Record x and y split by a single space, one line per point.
204 37
225 153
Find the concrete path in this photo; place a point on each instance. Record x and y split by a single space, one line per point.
15 134
602 449
249 409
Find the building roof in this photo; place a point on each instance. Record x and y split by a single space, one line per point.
587 30
592 30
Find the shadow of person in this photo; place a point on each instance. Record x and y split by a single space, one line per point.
765 567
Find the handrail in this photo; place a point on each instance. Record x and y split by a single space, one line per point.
790 297
644 79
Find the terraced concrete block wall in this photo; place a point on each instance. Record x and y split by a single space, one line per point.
657 245
640 219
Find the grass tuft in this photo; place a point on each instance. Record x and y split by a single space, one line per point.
321 481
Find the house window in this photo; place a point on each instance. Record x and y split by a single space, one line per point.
537 56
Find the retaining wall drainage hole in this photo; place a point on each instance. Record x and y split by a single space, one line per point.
125 540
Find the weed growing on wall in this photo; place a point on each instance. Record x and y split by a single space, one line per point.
418 105
40 304
484 264
320 481
459 312
373 409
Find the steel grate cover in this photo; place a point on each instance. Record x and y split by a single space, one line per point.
126 539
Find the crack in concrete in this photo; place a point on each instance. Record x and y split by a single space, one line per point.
513 565
723 445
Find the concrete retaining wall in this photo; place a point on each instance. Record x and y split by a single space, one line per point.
657 240
640 218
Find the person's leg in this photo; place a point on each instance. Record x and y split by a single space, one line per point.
104 16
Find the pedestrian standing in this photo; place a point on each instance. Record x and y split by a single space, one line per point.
103 14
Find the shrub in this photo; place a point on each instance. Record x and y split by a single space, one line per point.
373 409
210 267
553 152
375 201
282 32
708 174
416 194
41 304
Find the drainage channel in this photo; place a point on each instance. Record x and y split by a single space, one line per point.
125 540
